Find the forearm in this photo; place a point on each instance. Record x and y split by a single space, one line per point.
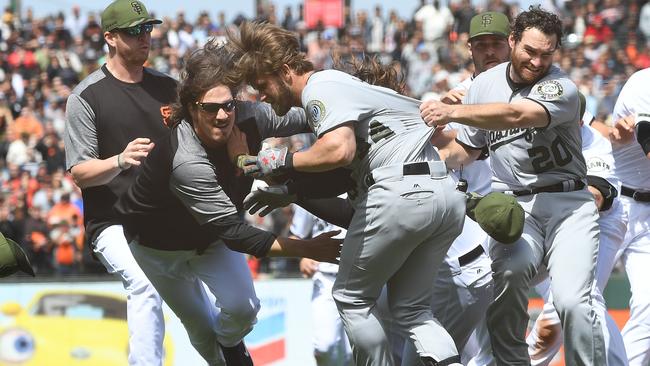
95 172
455 155
287 247
321 159
495 116
337 211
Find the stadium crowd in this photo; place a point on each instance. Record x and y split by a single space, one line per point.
42 59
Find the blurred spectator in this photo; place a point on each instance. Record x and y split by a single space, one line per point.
37 242
75 23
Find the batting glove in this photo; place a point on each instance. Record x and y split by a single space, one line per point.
268 199
274 161
248 164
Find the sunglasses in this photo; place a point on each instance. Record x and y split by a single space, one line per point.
227 107
137 29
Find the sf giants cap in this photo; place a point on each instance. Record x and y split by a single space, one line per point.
125 14
498 214
13 258
489 22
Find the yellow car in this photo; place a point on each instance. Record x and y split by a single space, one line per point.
69 328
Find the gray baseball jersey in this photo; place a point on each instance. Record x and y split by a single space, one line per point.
406 137
530 157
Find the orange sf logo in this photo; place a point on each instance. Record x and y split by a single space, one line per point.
166 112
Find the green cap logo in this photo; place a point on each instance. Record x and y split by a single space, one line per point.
498 214
125 14
490 22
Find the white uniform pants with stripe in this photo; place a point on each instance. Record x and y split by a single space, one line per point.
143 304
179 276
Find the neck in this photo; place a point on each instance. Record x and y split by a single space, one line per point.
300 81
124 71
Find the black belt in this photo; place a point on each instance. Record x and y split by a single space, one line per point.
567 186
640 196
421 168
470 256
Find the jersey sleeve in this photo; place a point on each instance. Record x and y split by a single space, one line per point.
302 223
329 104
559 97
598 155
271 125
474 138
80 132
195 184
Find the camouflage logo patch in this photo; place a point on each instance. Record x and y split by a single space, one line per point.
486 20
315 112
550 90
137 7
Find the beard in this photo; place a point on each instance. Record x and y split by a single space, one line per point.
283 104
525 75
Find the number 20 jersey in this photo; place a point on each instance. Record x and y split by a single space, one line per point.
530 157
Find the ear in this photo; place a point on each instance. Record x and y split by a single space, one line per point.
110 38
511 41
469 48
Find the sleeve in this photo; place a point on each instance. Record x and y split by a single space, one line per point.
621 109
320 185
240 236
329 104
471 137
559 97
337 211
271 125
302 223
80 135
195 184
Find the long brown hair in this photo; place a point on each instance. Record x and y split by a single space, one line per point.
262 49
372 71
204 69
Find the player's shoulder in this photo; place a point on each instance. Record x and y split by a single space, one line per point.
593 140
498 72
639 78
159 76
89 81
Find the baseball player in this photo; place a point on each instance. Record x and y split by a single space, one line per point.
112 117
331 345
545 339
181 223
396 172
630 139
527 114
463 288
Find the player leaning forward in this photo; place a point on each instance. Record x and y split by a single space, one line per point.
394 173
527 112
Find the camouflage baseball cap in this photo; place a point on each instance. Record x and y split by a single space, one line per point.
13 258
125 14
498 214
490 22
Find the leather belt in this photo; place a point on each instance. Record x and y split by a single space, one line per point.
641 196
470 256
566 186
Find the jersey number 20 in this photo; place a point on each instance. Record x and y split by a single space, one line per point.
545 158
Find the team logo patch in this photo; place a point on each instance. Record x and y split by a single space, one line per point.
137 7
315 112
550 90
486 20
596 164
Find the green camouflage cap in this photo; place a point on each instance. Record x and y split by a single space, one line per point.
490 22
498 214
13 258
125 14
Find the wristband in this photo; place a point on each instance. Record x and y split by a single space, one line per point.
119 163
